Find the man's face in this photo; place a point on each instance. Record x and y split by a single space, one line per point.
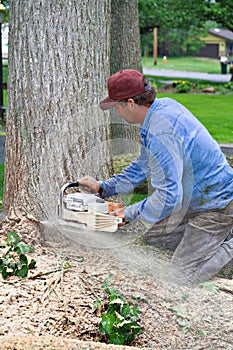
126 110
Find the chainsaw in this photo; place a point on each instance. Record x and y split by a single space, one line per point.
86 210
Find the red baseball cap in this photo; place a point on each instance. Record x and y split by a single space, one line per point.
121 85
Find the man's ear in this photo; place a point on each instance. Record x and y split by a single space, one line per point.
131 101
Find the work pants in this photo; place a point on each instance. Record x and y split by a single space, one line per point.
202 244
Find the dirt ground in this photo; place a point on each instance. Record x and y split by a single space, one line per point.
53 307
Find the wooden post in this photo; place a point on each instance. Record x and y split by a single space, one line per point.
155 46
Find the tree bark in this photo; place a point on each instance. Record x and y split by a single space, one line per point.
125 36
58 67
125 54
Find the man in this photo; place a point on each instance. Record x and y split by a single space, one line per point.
191 207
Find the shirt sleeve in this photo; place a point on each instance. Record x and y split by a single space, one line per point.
166 170
128 179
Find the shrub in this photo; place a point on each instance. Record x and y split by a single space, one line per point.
13 260
182 86
119 321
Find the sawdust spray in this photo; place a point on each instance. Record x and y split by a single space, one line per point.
125 246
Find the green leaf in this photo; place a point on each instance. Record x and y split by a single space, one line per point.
186 325
126 325
96 304
113 308
23 248
118 318
4 272
23 260
125 310
117 339
185 296
179 311
12 239
106 281
136 330
128 337
112 292
200 332
23 272
140 297
17 250
107 322
134 311
11 265
32 264
211 287
101 329
166 305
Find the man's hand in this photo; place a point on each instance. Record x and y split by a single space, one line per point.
120 214
89 184
113 206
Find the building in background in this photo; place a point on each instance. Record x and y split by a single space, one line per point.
219 42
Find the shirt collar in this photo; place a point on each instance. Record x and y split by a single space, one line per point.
145 125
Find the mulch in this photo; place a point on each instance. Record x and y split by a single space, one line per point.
53 307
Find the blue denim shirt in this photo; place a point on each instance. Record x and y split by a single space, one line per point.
187 170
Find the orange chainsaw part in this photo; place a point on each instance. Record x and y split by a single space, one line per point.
113 206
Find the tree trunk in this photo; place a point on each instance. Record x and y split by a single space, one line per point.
125 54
125 36
58 66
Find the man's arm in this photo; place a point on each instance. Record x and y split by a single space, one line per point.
123 183
166 171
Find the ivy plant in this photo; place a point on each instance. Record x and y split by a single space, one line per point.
13 259
119 320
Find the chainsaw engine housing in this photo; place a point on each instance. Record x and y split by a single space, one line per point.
87 210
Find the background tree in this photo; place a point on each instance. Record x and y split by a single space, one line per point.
220 11
125 44
58 66
170 14
173 30
6 4
125 54
181 23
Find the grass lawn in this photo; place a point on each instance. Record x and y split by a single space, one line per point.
214 111
4 97
189 64
5 79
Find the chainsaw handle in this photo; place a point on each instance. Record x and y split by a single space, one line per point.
62 191
69 185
